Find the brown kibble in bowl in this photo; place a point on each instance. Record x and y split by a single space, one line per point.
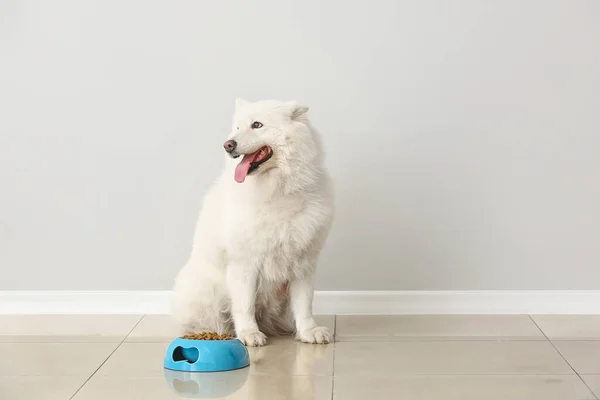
206 336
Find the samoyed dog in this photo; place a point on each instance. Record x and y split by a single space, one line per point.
260 231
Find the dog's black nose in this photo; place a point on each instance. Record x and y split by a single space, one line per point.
230 145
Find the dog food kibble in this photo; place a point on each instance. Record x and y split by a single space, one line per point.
207 336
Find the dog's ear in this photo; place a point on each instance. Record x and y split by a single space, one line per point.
239 102
296 111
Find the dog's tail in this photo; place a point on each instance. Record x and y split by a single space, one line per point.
275 318
277 324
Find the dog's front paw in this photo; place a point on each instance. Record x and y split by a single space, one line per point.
252 338
318 334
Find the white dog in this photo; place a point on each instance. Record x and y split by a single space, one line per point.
260 232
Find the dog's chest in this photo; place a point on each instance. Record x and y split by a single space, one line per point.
265 233
254 224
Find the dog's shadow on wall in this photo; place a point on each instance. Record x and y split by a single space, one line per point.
396 231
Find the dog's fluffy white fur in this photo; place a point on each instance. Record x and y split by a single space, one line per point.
256 245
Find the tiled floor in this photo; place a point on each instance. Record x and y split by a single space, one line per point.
374 357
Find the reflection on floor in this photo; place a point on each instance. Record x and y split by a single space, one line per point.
457 357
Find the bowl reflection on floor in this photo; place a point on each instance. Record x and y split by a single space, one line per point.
202 385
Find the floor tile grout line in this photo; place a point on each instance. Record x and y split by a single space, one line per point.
107 358
135 326
563 357
538 327
441 339
470 374
333 361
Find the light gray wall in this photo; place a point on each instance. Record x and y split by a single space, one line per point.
463 135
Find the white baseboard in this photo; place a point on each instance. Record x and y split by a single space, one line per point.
84 302
458 302
326 302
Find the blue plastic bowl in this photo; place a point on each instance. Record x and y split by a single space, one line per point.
206 355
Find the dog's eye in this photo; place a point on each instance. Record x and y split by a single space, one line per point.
256 125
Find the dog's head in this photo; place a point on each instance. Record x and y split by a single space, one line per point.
267 135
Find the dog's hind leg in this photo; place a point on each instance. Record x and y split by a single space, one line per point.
200 302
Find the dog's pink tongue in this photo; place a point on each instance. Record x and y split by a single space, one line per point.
241 171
